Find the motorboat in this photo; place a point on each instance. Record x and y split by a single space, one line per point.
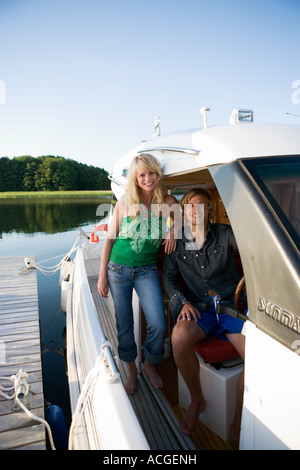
253 172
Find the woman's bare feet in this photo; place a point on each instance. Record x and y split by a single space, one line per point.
130 385
154 377
188 423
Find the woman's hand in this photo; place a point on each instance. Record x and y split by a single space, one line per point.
103 286
170 245
170 241
173 207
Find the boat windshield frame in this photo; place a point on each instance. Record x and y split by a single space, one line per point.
279 178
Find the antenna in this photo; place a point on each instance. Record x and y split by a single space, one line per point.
204 111
156 132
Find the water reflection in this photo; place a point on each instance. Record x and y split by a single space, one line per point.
32 215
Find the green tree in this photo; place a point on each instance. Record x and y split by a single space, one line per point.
64 176
13 175
103 181
43 177
29 174
50 173
4 162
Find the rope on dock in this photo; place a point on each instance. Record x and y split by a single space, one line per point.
21 389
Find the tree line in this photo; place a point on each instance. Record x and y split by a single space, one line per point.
50 173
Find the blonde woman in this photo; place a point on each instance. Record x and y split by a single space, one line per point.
129 261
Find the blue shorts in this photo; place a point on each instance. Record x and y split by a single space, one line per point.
218 325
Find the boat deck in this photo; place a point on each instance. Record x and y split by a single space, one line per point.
158 411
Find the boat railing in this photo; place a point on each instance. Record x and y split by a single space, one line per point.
170 149
106 348
118 183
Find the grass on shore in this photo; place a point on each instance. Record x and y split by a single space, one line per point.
16 194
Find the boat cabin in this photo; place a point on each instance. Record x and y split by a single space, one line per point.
253 172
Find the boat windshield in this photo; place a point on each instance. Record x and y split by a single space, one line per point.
279 179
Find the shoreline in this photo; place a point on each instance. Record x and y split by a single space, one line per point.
43 194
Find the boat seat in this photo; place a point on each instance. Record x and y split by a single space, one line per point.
218 383
214 350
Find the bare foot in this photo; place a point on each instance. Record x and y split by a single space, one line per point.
154 377
189 422
130 385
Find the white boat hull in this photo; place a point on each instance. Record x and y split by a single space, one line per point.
106 419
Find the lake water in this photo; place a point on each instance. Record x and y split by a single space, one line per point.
47 228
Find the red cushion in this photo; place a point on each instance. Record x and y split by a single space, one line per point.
216 350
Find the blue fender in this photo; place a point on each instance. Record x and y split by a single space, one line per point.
60 432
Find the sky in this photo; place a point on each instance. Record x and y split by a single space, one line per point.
84 79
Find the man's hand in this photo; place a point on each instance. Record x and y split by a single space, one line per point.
189 312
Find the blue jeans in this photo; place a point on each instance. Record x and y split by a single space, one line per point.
144 279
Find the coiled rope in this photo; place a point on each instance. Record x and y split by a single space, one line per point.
21 388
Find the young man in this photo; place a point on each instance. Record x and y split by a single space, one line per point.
204 258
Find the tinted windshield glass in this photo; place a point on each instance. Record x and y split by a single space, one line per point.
279 179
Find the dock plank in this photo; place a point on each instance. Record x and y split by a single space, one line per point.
20 348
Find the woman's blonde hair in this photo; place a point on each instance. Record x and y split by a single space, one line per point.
211 205
145 162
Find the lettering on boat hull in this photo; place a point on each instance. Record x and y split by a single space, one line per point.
280 315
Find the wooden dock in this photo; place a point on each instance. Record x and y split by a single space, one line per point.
20 349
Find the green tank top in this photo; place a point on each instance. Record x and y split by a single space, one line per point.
139 240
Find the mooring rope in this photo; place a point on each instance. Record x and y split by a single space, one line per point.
21 389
